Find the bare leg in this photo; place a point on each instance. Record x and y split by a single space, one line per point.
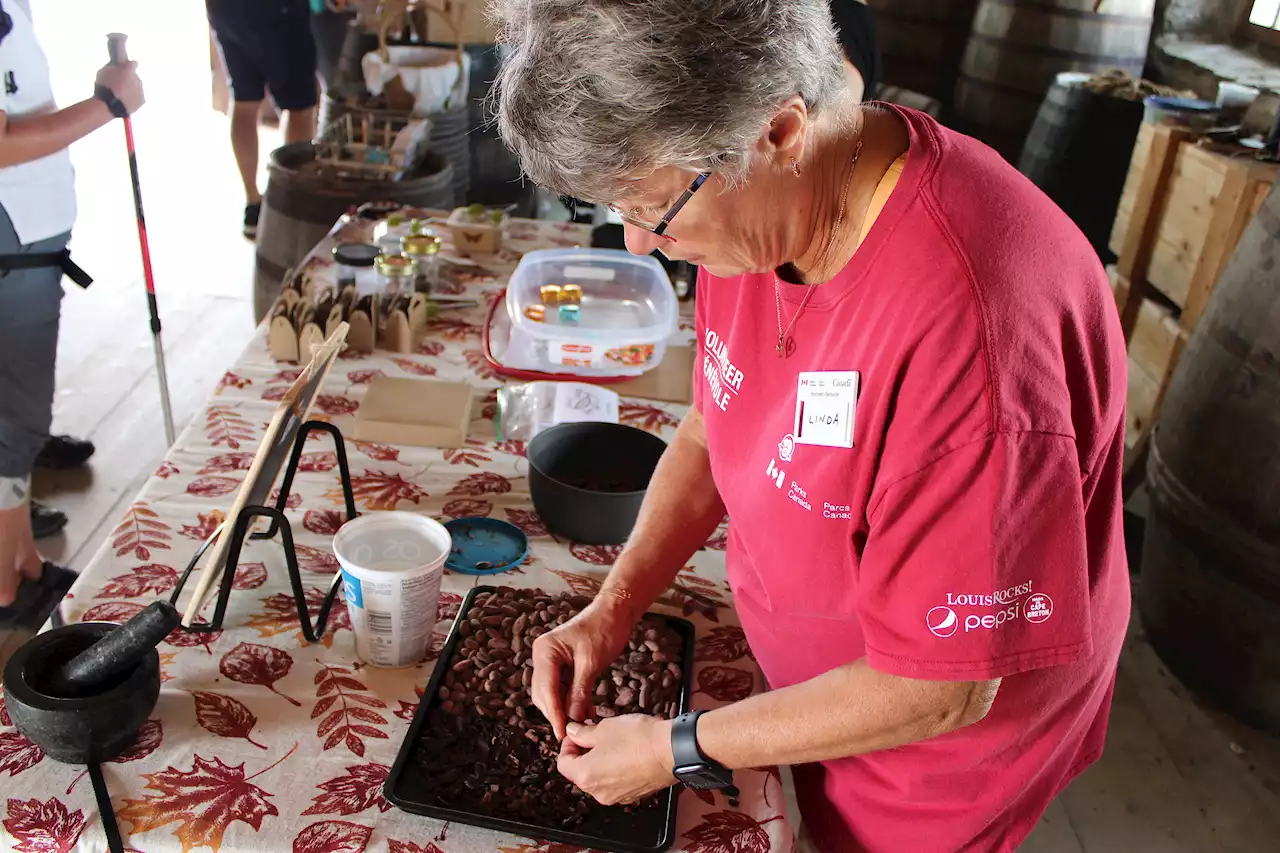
244 144
300 125
18 554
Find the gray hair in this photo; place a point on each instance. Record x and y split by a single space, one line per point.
594 93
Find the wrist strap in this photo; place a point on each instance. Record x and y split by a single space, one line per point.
108 97
684 740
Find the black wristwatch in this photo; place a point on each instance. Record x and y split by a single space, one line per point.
691 766
108 97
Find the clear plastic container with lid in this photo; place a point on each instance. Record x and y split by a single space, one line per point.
613 319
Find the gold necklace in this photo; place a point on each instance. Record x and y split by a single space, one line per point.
777 287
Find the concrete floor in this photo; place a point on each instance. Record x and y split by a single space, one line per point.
1176 777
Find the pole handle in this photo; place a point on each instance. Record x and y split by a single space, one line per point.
116 48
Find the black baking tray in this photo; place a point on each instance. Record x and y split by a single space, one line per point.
645 831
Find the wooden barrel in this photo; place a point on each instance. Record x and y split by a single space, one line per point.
921 42
298 209
1209 592
1018 47
1078 152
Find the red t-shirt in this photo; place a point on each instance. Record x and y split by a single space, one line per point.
972 530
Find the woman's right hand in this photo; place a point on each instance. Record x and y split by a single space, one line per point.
124 83
584 646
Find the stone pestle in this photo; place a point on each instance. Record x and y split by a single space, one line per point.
116 654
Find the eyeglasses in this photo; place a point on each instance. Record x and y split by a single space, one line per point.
661 228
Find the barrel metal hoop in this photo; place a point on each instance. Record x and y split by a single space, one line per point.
1127 62
1080 14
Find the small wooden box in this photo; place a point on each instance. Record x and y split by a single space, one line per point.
418 412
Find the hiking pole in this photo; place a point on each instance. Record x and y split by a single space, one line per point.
119 56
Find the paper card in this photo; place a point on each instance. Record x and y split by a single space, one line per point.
578 401
825 404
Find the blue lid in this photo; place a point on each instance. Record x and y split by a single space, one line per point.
485 546
1189 105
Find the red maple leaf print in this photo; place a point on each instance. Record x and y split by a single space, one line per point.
4 713
251 663
336 404
17 753
453 329
317 560
480 365
250 576
729 832
725 684
238 460
332 836
166 470
482 483
358 789
205 800
528 521
281 615
646 417
430 347
276 393
353 719
596 555
723 645
394 846
489 405
363 377
212 487
512 448
152 577
719 540
190 639
318 461
580 584
150 734
408 709
463 456
381 452
225 716
286 376
702 794
112 611
206 524
294 501
467 508
447 606
140 531
324 522
43 827
380 490
414 368
231 380
225 426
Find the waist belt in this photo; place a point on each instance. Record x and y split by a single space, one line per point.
40 260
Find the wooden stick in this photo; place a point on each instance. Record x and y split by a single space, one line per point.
290 404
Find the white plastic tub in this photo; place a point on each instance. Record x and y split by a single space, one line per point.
628 311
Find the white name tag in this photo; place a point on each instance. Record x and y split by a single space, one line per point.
825 404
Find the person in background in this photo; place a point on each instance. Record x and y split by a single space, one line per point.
265 45
910 406
856 28
37 210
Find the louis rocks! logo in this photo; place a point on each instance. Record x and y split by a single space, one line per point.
988 611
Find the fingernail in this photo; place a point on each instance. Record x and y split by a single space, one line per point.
573 728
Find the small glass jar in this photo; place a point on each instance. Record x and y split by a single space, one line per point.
424 249
396 274
353 263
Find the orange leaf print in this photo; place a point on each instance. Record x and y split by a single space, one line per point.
430 347
239 460
463 456
380 490
166 666
320 461
205 800
453 329
225 426
140 531
230 380
415 368
166 470
207 523
381 452
651 418
480 365
281 615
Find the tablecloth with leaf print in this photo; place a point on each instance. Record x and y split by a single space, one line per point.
262 742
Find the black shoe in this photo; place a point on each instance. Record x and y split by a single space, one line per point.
62 451
38 600
46 521
251 213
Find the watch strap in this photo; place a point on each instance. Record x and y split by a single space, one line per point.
684 740
108 97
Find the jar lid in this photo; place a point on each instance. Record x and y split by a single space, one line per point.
393 265
420 244
356 254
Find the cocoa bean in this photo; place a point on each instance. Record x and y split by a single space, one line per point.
444 693
625 697
499 643
604 712
490 621
526 678
651 645
509 610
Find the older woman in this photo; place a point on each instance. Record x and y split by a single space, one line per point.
909 401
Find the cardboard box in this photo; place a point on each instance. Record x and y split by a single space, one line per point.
669 382
418 412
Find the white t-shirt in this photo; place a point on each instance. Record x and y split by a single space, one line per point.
39 196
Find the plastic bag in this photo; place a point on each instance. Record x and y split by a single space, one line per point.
526 410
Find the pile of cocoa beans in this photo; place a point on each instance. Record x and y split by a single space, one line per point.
487 749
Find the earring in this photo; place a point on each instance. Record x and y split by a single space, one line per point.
795 167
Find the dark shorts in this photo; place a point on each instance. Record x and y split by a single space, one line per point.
267 44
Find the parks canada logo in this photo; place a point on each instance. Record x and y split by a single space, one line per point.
1001 608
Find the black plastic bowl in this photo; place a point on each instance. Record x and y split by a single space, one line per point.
588 480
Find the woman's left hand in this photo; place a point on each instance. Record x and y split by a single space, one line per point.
619 760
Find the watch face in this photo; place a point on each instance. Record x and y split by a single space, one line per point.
703 776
